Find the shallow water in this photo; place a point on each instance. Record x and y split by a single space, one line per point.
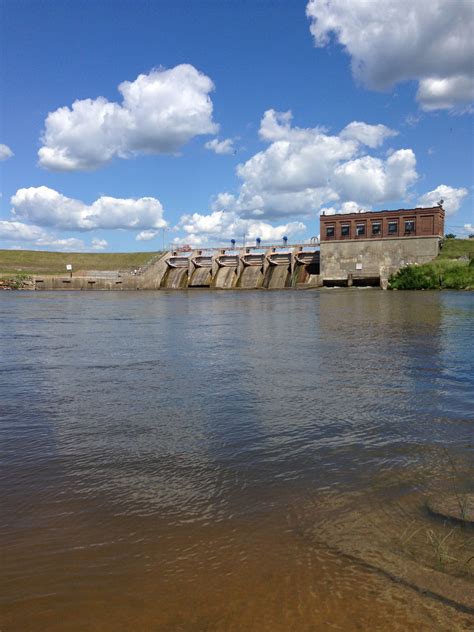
176 460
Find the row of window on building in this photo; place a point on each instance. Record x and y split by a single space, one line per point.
376 229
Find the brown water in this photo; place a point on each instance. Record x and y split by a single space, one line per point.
206 460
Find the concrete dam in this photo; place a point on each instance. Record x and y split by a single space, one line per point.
355 249
246 268
221 268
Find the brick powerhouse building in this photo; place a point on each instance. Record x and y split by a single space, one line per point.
369 246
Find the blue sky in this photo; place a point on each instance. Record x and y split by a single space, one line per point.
235 118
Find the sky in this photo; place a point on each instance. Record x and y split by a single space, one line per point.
127 125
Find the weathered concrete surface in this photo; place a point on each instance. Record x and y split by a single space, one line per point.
369 258
151 276
161 272
82 283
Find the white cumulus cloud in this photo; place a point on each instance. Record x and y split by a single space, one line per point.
18 231
36 237
46 207
372 180
225 146
68 244
347 207
5 152
370 135
452 198
159 113
305 168
146 235
99 244
429 41
221 226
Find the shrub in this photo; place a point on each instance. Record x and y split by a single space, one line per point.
456 275
415 278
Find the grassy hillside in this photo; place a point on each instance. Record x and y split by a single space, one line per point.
452 269
455 248
40 262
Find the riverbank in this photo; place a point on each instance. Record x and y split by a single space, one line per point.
17 282
453 269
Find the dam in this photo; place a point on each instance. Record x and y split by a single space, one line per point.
249 268
355 249
233 268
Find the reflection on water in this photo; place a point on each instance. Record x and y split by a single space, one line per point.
165 455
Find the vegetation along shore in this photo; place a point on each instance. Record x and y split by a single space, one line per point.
452 269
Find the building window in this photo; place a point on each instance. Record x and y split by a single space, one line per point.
360 229
410 226
392 228
345 230
329 231
376 228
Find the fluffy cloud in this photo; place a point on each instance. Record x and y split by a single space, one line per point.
347 207
37 237
221 146
452 198
69 244
304 168
99 244
220 226
469 229
47 207
372 180
18 231
146 235
444 93
159 113
427 40
370 135
5 152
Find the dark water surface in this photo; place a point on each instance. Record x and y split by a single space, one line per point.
171 461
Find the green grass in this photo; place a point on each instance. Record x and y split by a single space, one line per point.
34 262
452 269
455 248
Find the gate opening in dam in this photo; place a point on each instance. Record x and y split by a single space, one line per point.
245 268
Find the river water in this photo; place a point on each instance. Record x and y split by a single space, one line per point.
193 460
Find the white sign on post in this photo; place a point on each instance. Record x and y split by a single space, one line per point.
68 267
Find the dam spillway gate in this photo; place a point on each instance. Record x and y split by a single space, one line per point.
245 268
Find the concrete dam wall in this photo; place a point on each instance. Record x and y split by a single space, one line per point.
245 268
353 262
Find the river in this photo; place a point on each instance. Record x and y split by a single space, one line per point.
218 460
